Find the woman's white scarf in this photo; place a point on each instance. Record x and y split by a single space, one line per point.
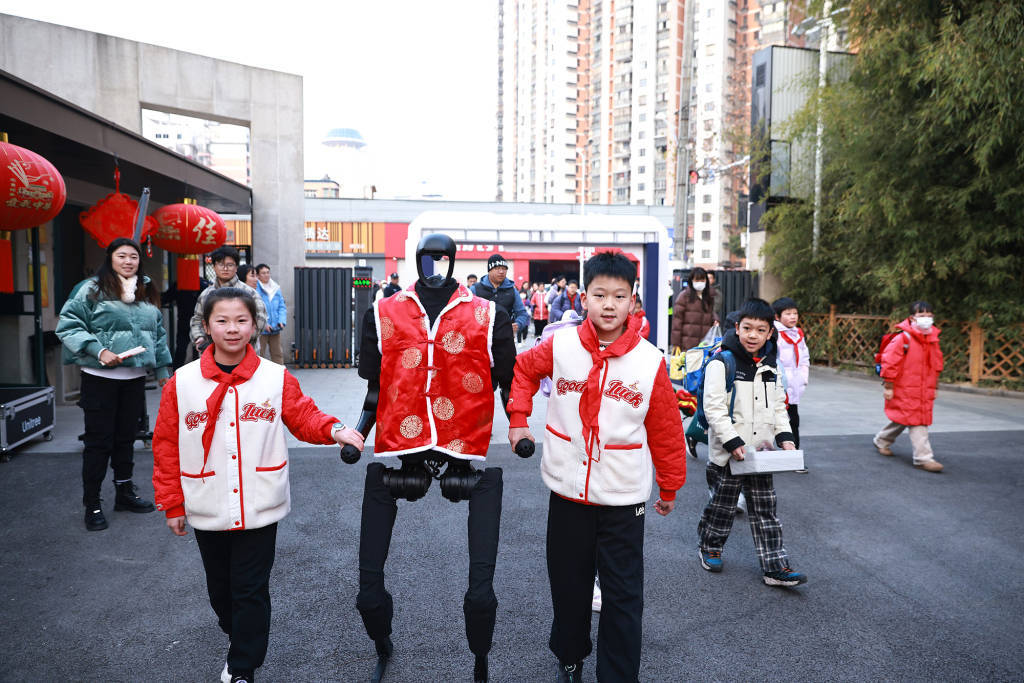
128 285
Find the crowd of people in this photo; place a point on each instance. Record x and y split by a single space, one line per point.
612 424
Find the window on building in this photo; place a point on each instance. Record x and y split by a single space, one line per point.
705 218
708 124
705 235
641 169
640 187
708 87
643 152
643 116
641 135
707 199
642 100
705 254
710 106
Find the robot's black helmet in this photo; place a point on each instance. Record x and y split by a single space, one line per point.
435 246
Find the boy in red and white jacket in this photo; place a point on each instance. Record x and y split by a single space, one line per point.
612 419
220 462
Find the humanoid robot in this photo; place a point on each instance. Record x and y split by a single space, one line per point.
438 351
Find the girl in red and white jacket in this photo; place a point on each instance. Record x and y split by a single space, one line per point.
220 462
612 420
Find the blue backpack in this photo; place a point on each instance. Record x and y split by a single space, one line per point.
730 384
697 429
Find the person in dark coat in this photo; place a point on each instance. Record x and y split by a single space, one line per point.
693 312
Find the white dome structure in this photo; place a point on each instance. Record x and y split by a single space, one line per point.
346 159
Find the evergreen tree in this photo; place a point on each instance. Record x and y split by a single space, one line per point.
923 187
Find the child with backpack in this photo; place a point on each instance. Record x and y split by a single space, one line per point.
220 463
744 403
910 365
794 360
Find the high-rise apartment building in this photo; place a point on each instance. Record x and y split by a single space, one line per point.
589 102
588 95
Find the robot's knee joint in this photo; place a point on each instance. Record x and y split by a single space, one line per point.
410 482
458 482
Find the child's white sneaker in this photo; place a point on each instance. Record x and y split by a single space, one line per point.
596 605
741 504
225 677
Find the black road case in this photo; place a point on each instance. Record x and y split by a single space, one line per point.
27 412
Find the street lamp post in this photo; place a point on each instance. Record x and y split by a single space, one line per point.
682 199
808 26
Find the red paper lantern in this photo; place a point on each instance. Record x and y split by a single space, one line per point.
31 190
189 229
114 216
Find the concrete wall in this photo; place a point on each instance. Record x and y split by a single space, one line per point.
115 78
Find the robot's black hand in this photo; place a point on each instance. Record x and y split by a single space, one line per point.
525 448
350 454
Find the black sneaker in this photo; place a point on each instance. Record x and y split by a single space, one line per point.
570 673
128 498
94 519
784 577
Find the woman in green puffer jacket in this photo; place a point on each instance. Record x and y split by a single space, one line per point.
103 326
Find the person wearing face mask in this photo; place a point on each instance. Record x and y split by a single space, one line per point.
693 312
911 364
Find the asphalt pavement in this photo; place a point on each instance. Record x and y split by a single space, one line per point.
912 575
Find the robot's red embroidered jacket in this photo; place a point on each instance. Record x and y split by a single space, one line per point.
435 387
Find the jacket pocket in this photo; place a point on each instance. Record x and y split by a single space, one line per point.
560 435
201 494
620 468
268 487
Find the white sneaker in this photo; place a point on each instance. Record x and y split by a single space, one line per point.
225 677
596 605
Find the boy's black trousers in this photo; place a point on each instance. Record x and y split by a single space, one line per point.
238 565
610 540
793 411
111 408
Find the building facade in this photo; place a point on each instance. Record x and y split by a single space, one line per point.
589 101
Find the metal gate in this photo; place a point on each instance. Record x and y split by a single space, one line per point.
323 317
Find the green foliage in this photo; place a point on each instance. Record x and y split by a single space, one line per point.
923 187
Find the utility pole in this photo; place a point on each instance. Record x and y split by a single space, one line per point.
825 25
683 140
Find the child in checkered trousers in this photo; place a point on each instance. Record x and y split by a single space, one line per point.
758 416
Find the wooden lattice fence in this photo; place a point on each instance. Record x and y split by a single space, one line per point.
972 353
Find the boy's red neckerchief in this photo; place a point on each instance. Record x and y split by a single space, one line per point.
243 372
590 400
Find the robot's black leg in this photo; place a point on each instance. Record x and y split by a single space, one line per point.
374 602
481 605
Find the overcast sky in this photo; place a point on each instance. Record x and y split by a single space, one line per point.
418 79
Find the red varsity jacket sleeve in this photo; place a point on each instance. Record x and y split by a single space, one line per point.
166 466
301 416
531 367
665 437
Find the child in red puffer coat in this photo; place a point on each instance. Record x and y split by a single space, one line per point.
911 364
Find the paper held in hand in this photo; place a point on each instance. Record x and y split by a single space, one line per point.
766 462
131 352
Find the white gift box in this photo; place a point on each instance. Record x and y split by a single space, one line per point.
767 462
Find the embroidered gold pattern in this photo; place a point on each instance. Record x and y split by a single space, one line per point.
453 342
411 427
443 408
411 358
472 383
